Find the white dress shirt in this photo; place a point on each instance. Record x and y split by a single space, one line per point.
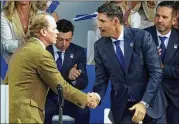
166 40
56 54
121 38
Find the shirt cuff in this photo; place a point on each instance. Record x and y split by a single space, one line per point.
73 82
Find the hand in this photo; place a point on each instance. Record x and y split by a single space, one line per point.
140 112
74 73
92 100
151 4
159 51
162 66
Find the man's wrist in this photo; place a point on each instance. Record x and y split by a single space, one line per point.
145 104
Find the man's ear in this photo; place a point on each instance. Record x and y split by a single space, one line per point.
43 32
174 20
116 20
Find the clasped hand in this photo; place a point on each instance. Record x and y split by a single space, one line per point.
92 100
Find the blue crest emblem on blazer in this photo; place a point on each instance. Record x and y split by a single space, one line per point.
175 46
71 56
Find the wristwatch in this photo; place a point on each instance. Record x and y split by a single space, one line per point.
145 104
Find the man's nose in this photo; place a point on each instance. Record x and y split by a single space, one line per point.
98 24
160 19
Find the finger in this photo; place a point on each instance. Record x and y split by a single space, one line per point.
142 116
132 108
77 72
75 75
139 117
75 66
80 71
135 116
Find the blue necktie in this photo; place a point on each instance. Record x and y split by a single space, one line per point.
162 46
59 61
119 54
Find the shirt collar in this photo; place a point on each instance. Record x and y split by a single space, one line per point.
55 49
43 45
121 36
167 35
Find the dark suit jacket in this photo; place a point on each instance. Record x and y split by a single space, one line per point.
74 55
171 65
142 75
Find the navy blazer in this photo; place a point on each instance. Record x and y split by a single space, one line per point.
171 65
142 75
74 55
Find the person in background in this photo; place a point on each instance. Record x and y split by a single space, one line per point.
32 70
128 57
14 25
167 41
43 5
131 17
176 6
71 62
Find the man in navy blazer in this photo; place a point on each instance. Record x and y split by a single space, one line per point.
72 64
129 58
164 19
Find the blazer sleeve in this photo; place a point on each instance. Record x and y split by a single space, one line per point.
49 73
102 76
82 80
8 43
152 63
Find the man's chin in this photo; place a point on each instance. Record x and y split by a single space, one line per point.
54 42
160 29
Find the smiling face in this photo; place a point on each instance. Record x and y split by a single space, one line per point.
164 19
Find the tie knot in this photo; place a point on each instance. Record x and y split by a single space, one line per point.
117 42
59 53
162 39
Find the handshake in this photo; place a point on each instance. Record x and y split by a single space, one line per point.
93 100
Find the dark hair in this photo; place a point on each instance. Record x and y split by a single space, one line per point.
169 4
111 9
176 5
65 26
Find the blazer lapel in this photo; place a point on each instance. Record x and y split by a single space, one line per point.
128 47
50 49
172 47
110 53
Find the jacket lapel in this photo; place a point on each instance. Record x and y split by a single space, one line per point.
50 49
128 47
110 53
172 47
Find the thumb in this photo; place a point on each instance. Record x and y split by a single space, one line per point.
75 66
132 108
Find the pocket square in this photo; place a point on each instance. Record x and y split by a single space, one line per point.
131 44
